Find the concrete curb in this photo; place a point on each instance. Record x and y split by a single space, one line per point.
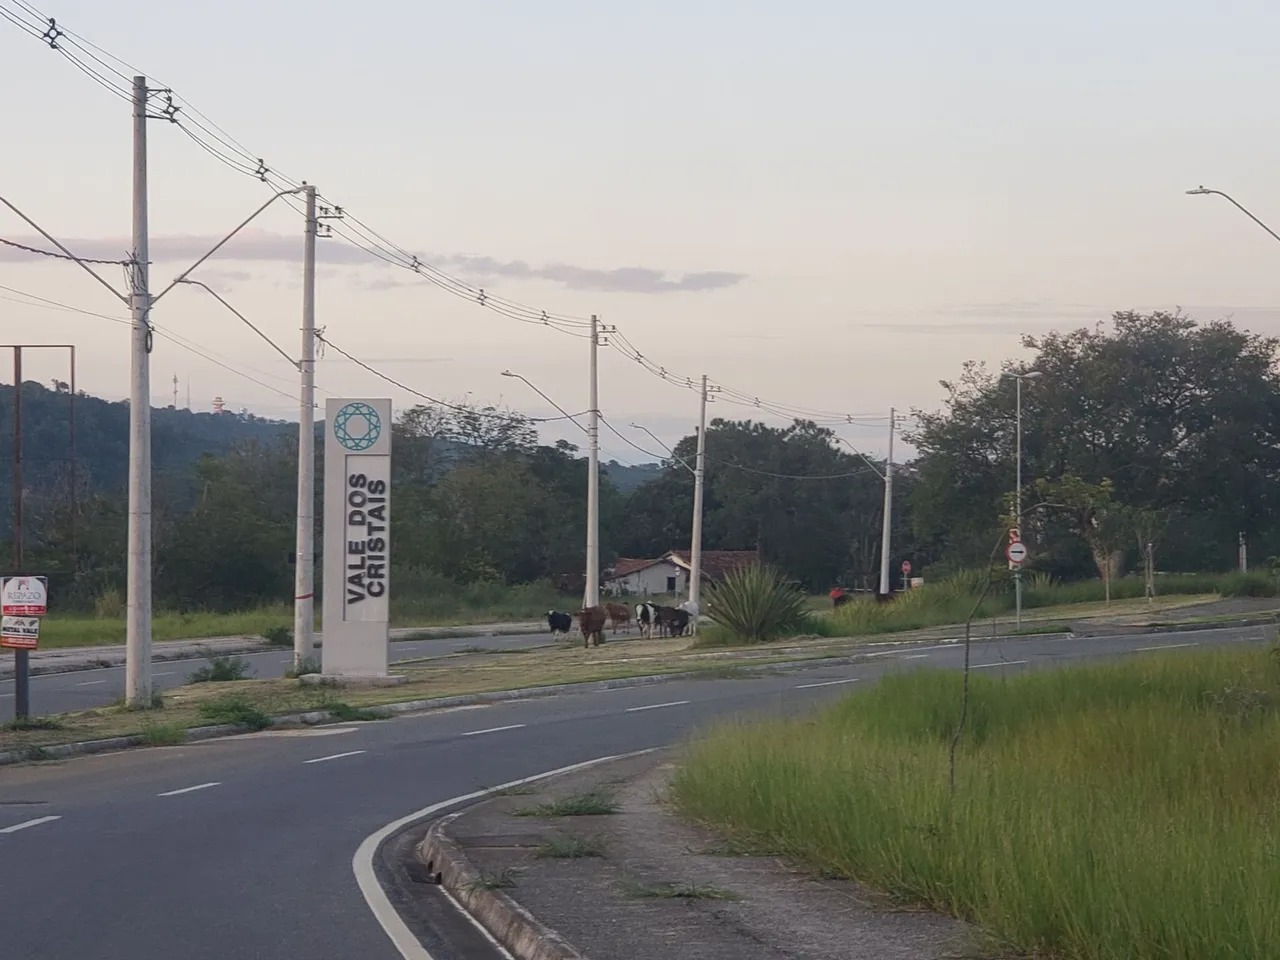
519 931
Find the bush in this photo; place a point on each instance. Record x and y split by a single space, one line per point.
278 636
755 604
220 670
163 734
234 710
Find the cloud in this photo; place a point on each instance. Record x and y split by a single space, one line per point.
265 247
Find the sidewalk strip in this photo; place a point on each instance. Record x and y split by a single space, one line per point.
198 786
29 823
476 733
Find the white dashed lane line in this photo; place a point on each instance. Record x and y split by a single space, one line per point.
334 756
657 706
167 673
90 683
476 733
29 823
917 656
1166 646
1001 663
198 786
825 683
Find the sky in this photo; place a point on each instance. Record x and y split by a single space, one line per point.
827 205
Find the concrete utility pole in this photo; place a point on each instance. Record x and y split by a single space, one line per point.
305 552
886 529
138 623
699 475
22 658
592 596
1244 552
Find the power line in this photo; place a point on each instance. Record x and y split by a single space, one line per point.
62 256
434 400
214 140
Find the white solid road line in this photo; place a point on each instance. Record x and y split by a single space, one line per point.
29 823
334 756
1001 663
657 706
917 656
362 863
90 683
476 733
825 683
1167 646
198 786
167 673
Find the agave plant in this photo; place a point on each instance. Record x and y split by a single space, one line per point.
755 604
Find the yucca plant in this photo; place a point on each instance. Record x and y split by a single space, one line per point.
755 604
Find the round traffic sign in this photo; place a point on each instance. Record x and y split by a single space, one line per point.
1016 552
906 566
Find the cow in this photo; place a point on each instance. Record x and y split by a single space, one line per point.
691 606
646 619
841 600
559 622
618 613
591 621
671 621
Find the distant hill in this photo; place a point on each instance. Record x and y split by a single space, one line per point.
629 478
178 439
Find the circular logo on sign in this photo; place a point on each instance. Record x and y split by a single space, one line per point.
357 426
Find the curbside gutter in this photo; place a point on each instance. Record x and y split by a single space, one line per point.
519 931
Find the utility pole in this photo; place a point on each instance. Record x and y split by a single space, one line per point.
699 475
1244 552
592 597
175 391
138 623
885 531
22 658
304 567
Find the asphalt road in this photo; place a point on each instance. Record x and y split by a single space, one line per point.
84 689
244 847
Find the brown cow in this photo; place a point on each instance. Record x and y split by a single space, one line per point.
592 620
619 613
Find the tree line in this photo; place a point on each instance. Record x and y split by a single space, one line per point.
1154 430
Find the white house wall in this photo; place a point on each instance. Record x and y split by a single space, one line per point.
652 581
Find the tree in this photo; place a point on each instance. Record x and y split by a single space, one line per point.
1092 514
1180 416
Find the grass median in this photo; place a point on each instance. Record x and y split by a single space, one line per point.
1129 810
482 671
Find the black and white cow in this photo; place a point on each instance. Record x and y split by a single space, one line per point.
646 619
559 622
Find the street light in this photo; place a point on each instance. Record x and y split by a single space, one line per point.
1204 191
1017 570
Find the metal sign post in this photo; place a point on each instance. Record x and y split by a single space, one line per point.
23 600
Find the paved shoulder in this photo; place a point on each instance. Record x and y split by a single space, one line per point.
595 864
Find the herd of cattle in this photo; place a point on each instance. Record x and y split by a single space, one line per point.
649 617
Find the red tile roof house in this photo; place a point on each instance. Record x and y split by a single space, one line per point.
669 574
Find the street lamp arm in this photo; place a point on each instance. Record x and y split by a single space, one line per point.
243 319
1205 190
530 385
44 233
221 243
862 457
679 460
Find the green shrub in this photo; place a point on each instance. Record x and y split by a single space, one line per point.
163 734
755 604
220 670
278 636
234 710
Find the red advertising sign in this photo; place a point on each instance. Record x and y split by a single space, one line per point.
24 596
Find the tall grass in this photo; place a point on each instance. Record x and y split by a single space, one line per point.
1120 812
950 600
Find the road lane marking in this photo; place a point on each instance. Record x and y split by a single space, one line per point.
4 696
917 656
826 683
90 683
476 733
198 786
657 706
29 823
1166 646
334 756
393 926
1000 663
167 673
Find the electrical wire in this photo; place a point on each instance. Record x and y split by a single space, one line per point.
62 256
434 400
214 140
